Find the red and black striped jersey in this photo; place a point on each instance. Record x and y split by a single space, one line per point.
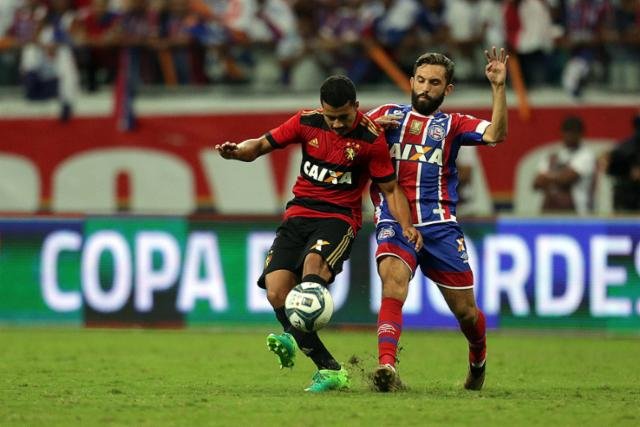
335 168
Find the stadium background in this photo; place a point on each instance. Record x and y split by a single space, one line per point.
103 224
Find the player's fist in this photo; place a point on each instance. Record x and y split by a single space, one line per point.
227 150
388 121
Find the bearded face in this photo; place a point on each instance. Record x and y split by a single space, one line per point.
425 104
429 87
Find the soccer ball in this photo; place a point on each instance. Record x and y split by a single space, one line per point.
309 306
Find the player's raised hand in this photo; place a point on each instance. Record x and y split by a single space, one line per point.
496 69
228 150
414 236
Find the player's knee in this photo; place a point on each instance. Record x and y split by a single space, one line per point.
276 296
466 314
395 287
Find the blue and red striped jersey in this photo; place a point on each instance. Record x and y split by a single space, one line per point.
424 150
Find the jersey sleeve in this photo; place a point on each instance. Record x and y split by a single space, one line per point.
380 166
285 134
469 129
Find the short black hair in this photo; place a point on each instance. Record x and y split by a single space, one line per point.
434 58
337 91
573 124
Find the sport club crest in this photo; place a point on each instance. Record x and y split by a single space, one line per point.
415 127
351 151
386 233
436 132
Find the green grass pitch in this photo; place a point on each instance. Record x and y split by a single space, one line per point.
195 377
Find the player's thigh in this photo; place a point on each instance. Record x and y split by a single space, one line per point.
444 258
391 242
286 251
278 284
395 275
329 245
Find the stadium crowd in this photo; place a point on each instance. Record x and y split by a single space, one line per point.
297 43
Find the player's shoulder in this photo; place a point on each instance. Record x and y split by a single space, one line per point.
459 117
312 118
366 130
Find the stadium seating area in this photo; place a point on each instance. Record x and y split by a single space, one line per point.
295 43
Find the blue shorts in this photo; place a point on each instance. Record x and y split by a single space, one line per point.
443 258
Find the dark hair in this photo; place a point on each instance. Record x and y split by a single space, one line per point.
337 91
573 124
433 58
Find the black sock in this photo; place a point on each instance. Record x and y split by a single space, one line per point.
310 344
282 318
315 279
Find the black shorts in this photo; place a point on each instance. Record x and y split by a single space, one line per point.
296 237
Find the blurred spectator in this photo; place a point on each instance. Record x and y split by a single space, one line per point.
623 35
265 27
585 31
431 26
566 176
531 35
429 29
492 18
306 70
48 65
391 22
8 56
473 195
25 28
217 40
173 39
98 52
8 9
466 25
341 29
624 166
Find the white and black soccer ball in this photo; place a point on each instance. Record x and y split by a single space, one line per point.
309 306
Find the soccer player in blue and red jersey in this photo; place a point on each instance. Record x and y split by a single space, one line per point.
424 143
341 150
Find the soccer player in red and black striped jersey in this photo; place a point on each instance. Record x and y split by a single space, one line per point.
342 150
424 143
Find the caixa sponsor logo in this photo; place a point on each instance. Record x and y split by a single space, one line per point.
416 153
325 175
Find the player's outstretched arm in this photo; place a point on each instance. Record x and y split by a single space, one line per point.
399 207
496 72
246 151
